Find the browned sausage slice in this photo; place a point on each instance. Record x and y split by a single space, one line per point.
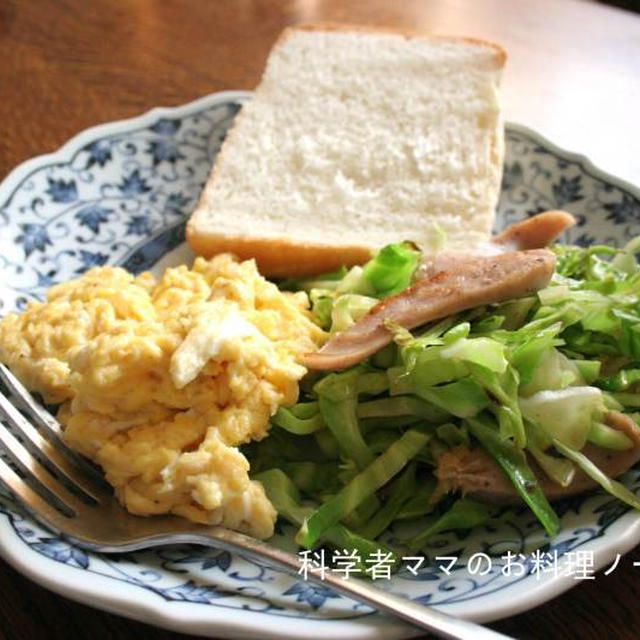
470 284
474 472
536 232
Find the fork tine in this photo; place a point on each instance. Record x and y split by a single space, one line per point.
26 401
30 499
37 445
48 424
34 469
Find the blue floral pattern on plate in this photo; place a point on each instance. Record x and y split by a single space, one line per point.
120 194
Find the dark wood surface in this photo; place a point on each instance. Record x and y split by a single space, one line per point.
69 64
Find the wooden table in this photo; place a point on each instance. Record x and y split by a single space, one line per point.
66 65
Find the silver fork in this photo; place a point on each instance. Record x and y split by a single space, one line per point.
75 502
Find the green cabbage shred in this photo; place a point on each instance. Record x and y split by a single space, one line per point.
525 380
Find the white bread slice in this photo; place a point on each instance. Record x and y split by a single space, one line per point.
357 137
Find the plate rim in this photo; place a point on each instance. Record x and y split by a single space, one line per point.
133 602
573 156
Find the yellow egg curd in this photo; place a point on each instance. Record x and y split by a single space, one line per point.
159 382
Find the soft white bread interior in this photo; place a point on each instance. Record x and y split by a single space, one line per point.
355 138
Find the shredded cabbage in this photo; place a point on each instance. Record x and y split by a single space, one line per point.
565 414
527 380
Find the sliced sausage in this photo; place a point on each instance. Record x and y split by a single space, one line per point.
475 472
471 283
535 232
622 422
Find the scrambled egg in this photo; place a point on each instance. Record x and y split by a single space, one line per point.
160 381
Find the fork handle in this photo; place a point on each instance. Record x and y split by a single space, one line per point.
441 624
438 623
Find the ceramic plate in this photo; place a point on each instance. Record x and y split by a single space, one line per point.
119 194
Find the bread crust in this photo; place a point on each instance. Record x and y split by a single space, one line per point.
282 256
278 257
500 55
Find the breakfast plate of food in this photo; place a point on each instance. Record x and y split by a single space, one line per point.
355 337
